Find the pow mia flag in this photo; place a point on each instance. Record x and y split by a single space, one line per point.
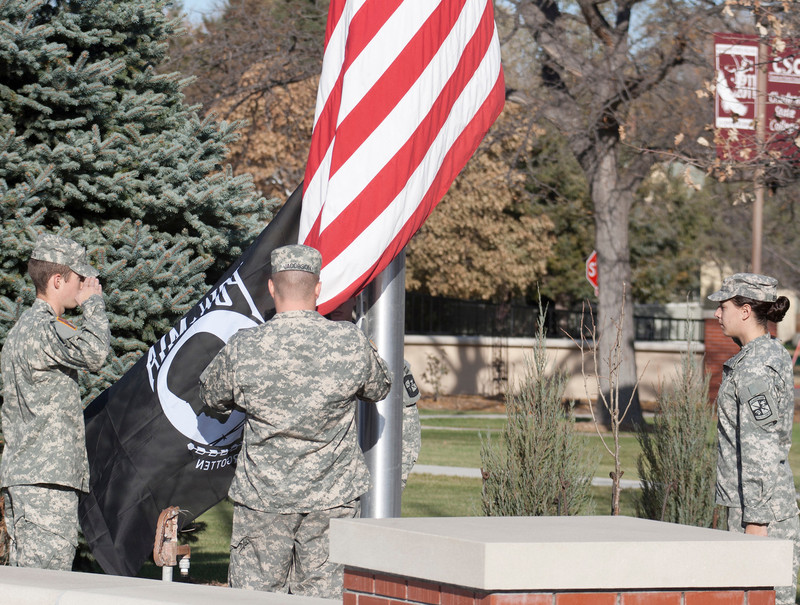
149 445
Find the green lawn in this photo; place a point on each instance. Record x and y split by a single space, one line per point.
463 447
451 448
441 496
444 447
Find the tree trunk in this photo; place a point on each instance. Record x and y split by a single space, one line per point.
615 325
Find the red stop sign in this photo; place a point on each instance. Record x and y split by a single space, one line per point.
591 269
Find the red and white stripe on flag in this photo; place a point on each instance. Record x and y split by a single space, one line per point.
407 92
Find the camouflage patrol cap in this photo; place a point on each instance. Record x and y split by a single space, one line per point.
750 285
63 251
296 258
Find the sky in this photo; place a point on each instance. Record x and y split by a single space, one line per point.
196 8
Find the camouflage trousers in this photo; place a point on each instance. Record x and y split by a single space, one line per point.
788 529
412 441
42 522
286 552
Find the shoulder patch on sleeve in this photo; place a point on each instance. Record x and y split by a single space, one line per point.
64 328
760 403
761 409
410 389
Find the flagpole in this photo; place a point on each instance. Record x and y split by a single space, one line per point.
381 310
758 181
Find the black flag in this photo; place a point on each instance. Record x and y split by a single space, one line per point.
149 446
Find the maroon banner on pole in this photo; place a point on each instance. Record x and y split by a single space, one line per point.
736 67
783 99
737 61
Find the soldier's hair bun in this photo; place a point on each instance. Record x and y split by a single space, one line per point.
778 309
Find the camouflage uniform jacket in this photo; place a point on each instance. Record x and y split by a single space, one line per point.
297 378
755 409
42 413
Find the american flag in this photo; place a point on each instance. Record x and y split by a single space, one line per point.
408 90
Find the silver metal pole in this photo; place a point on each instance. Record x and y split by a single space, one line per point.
381 314
761 131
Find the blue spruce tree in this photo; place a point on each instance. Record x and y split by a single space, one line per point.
97 146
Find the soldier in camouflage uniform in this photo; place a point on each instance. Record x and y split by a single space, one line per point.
412 432
411 429
755 410
297 378
44 464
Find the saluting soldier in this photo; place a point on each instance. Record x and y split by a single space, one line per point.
756 409
44 465
297 377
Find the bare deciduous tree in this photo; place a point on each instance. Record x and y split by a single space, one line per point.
615 403
597 69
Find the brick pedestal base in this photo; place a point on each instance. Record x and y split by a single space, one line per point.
362 587
554 561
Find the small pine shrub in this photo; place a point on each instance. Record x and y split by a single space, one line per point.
541 466
678 460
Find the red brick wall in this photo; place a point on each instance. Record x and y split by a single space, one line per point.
719 349
363 587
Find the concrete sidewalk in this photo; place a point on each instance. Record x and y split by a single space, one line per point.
475 473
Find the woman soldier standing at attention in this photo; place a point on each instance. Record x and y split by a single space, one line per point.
755 406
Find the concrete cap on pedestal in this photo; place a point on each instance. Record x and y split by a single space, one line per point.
560 553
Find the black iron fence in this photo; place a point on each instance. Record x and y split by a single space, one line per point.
434 315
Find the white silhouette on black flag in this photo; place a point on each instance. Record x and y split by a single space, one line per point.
148 443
